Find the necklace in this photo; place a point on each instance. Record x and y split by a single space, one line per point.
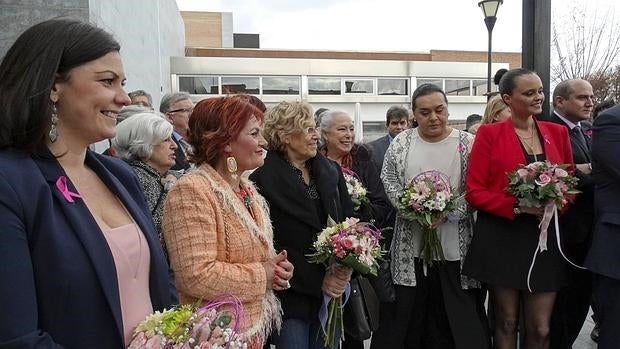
246 196
529 145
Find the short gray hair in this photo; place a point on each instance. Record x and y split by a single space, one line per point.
130 110
171 98
327 117
138 134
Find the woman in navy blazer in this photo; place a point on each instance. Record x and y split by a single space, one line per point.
61 90
505 234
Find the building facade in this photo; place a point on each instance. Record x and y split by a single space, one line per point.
364 87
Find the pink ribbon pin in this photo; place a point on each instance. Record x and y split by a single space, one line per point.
62 186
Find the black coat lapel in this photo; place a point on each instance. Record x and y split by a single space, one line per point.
87 231
157 285
326 178
95 245
282 188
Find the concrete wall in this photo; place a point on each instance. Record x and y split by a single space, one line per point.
18 15
149 31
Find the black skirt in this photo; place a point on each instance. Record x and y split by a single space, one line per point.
501 253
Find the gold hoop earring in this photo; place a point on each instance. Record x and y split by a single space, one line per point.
53 133
231 164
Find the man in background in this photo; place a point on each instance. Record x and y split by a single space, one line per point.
472 123
142 98
178 107
572 107
604 258
396 120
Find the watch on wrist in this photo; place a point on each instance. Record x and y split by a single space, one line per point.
516 210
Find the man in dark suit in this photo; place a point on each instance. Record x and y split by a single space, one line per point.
396 122
178 107
604 256
572 104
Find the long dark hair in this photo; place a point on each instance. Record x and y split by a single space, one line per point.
42 54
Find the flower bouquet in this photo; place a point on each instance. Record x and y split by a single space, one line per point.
193 327
353 244
542 184
356 190
426 199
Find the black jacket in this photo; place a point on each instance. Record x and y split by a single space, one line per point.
58 282
576 222
381 210
603 257
296 223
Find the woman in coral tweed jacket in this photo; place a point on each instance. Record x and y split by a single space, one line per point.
216 226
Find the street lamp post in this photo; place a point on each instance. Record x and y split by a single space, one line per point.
489 8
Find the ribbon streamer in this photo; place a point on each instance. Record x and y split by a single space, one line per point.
544 225
542 239
62 186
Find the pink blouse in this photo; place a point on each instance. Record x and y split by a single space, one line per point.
132 258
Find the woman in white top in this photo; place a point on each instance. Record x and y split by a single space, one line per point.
436 307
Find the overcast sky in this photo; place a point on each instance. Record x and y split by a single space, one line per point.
390 25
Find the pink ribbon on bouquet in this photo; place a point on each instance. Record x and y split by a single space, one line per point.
550 212
62 186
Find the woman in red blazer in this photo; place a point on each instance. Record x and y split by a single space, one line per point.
506 235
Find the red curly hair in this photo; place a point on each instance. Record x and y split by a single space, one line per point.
214 123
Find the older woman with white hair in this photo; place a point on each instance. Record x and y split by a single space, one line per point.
144 141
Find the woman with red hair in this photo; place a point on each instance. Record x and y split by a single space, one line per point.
217 227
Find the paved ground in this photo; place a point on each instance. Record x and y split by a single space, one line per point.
584 341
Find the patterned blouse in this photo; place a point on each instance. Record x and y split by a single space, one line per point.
154 192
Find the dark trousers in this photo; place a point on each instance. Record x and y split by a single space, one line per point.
422 320
571 309
383 337
607 291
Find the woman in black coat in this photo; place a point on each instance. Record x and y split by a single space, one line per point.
338 135
303 188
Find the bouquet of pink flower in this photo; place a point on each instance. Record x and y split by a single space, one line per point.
428 198
193 326
356 190
353 244
543 184
540 183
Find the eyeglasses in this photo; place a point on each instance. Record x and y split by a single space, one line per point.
184 110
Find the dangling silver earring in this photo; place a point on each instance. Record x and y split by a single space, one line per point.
53 134
231 164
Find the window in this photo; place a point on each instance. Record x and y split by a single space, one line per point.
392 87
436 82
324 86
199 85
240 84
359 86
281 85
480 87
373 130
457 87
